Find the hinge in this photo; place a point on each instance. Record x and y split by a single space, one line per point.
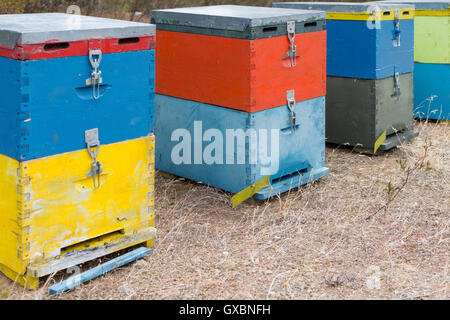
396 40
292 47
396 86
290 96
93 146
95 58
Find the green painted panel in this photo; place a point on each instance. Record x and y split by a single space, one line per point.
394 115
358 111
432 39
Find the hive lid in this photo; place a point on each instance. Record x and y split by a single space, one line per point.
348 7
421 4
37 28
230 17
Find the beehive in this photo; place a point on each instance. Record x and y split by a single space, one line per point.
240 57
250 72
369 73
48 91
219 148
66 197
432 58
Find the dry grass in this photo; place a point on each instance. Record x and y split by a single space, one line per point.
313 243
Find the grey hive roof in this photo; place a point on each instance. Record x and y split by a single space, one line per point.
17 29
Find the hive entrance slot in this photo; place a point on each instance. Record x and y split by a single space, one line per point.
56 46
290 175
270 29
397 132
128 40
406 13
310 24
93 242
386 13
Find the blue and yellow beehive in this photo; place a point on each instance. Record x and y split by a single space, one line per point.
369 73
432 58
76 157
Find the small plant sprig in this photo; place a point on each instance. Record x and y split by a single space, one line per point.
393 191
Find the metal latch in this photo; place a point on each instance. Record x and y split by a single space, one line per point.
290 96
93 146
396 40
396 86
95 57
292 47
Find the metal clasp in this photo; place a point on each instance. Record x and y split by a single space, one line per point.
292 47
290 96
396 86
95 58
396 40
93 146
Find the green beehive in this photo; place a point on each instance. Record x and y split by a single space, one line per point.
369 100
431 58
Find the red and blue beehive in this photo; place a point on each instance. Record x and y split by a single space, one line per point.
228 74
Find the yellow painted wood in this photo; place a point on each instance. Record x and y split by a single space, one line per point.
27 281
49 206
248 192
376 16
10 215
433 13
379 141
432 39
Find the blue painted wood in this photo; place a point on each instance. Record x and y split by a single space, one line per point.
432 91
301 153
355 51
78 279
46 106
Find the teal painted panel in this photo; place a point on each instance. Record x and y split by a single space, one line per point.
301 152
432 91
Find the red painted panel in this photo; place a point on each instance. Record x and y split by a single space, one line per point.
273 75
56 49
249 75
207 69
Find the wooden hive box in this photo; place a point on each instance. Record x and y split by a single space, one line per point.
233 149
49 96
240 57
432 58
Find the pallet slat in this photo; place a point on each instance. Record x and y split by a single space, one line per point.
76 280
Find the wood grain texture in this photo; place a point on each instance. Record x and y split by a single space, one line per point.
76 280
248 75
52 213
